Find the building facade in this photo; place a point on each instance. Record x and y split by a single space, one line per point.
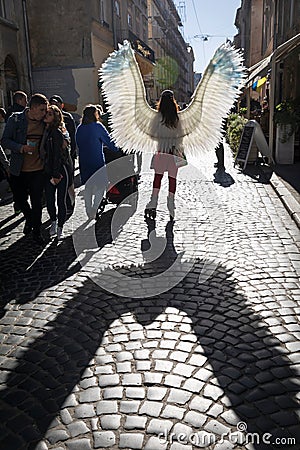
131 23
60 50
15 64
174 58
269 34
69 42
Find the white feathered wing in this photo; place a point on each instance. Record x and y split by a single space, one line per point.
137 127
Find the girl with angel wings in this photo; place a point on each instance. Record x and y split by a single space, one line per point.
166 162
196 130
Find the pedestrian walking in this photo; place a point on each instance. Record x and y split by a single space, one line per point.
4 165
22 135
71 128
19 103
220 154
3 116
69 124
58 169
91 135
2 121
166 161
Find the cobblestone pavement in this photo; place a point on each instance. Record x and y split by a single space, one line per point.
207 357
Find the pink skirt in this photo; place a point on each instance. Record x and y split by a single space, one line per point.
164 162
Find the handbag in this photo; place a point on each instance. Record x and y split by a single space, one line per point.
180 158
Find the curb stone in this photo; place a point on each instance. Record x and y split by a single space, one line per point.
289 197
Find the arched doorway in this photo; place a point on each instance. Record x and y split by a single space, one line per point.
11 78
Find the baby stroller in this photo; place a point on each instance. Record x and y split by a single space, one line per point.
118 192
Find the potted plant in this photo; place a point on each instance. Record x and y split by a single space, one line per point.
234 128
287 119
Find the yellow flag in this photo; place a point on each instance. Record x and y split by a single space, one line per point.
261 81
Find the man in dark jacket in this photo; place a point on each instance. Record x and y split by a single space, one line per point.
22 135
19 104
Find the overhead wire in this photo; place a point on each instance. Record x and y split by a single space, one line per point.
196 15
198 23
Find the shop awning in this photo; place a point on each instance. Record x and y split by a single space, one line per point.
286 47
283 50
256 70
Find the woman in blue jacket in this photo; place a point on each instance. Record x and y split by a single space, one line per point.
90 137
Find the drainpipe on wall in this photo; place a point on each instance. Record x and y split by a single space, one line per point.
27 43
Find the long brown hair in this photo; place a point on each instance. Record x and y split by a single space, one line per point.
88 114
58 121
168 108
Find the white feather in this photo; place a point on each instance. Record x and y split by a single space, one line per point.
137 127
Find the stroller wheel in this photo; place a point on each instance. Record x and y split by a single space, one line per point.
150 213
101 208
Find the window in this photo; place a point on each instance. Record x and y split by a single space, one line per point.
2 9
129 20
292 13
117 7
281 17
137 22
103 14
101 11
145 29
268 20
130 10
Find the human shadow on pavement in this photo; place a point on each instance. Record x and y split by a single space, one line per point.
8 219
5 230
223 178
28 269
249 363
259 172
159 252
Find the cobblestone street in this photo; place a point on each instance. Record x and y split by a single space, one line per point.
169 335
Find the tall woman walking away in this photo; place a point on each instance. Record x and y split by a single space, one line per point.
166 161
58 168
90 137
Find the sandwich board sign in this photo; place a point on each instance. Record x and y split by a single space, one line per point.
252 131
